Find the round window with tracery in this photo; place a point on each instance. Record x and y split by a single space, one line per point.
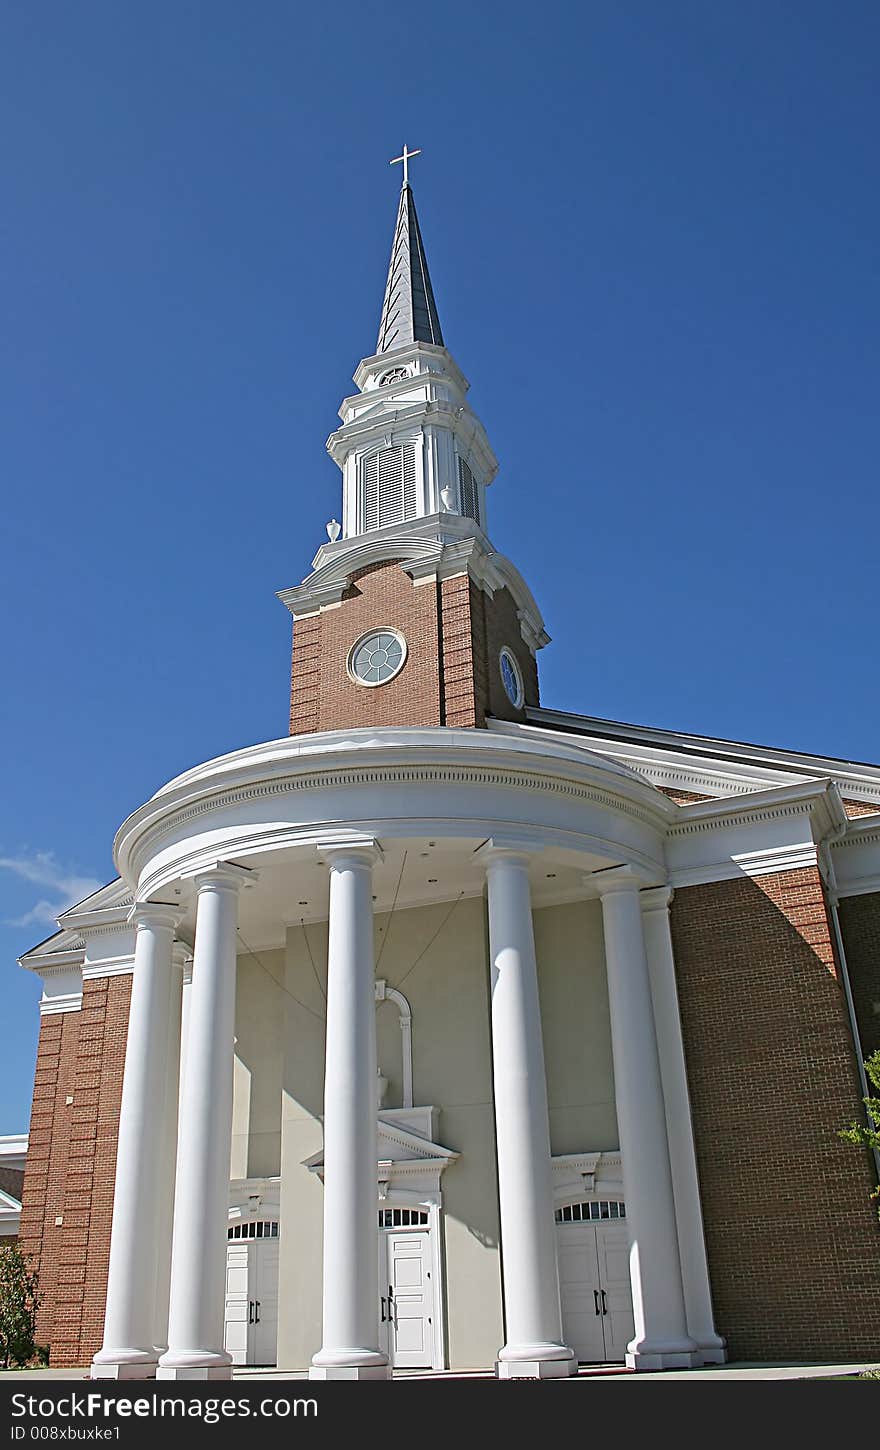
511 677
377 657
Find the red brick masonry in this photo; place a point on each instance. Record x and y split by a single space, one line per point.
454 635
71 1164
792 1237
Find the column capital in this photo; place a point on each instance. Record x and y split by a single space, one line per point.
155 913
222 876
656 898
516 850
365 851
182 955
614 879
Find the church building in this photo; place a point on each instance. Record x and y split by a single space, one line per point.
452 1031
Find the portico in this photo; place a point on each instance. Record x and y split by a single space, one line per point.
224 855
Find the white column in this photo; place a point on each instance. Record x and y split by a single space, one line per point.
351 1226
198 1261
679 1129
661 1339
534 1347
166 1168
128 1351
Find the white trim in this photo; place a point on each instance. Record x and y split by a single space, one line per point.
70 1002
121 966
705 764
385 993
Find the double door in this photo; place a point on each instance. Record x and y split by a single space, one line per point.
251 1330
406 1298
594 1287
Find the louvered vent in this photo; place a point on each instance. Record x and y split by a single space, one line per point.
388 487
468 492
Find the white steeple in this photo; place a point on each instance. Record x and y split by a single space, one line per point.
409 447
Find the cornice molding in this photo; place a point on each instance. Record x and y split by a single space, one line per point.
121 966
748 863
47 963
69 1002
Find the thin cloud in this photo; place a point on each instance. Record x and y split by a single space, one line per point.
40 868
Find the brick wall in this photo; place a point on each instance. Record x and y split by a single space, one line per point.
454 634
71 1165
792 1237
860 929
326 698
11 1180
500 626
859 808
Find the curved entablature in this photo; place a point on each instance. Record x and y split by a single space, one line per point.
458 786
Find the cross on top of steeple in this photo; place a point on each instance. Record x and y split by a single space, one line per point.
405 159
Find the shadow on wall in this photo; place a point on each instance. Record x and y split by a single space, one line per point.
792 1237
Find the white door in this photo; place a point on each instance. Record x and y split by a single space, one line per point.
594 1287
251 1330
406 1298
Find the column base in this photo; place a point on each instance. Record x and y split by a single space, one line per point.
350 1364
535 1362
650 1356
350 1372
127 1365
195 1366
194 1372
713 1351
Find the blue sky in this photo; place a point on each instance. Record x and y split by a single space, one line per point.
652 231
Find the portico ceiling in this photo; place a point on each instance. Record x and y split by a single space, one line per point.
292 885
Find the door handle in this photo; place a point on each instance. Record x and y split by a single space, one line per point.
256 1311
250 1311
604 1303
383 1308
596 1300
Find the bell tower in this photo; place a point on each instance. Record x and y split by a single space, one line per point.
409 616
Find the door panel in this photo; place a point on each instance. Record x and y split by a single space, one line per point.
237 1302
578 1288
264 1334
612 1244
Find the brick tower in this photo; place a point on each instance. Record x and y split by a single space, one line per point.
409 616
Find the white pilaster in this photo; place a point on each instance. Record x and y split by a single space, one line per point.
166 1168
198 1263
128 1350
351 1244
661 1339
534 1347
679 1129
